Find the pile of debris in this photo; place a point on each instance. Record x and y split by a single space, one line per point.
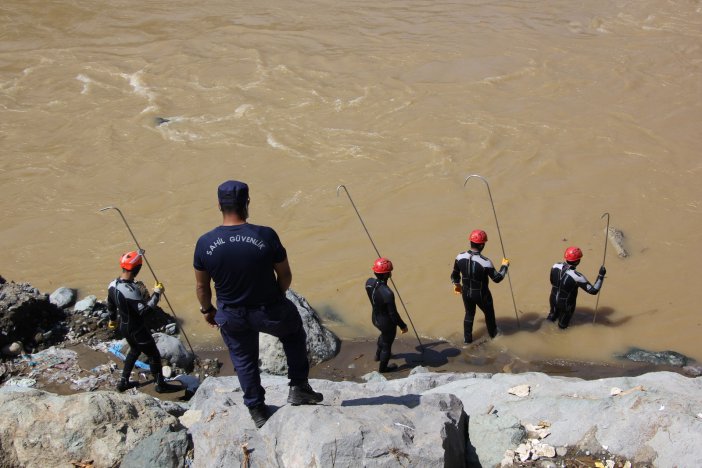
31 321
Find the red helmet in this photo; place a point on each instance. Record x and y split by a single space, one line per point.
573 254
131 260
382 265
478 237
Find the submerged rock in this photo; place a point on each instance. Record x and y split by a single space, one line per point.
669 358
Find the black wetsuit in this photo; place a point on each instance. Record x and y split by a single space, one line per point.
124 298
565 281
385 318
473 270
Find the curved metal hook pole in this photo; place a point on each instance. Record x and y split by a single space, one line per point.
604 258
499 234
153 273
421 346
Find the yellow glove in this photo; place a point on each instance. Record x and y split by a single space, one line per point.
111 325
505 262
403 330
159 287
457 289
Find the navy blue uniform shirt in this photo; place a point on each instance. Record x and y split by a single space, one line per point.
240 260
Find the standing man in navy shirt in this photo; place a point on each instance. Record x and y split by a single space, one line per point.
250 270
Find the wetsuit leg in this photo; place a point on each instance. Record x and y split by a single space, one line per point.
130 359
379 347
242 342
553 312
283 321
147 345
469 306
489 312
386 339
565 315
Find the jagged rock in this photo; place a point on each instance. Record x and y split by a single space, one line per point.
374 376
26 315
165 448
62 297
491 435
654 426
12 349
86 304
322 344
372 425
39 429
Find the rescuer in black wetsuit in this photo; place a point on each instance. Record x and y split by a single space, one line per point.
124 299
470 274
385 316
565 281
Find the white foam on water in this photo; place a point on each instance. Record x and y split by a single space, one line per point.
294 200
86 82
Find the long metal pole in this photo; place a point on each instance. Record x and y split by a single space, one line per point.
150 269
604 258
421 346
499 233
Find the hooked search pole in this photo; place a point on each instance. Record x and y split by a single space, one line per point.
150 269
421 346
509 279
597 302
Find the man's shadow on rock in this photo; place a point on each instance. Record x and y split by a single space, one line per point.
410 400
429 357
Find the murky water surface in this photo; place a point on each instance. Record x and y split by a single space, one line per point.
568 109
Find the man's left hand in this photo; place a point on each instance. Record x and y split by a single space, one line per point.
209 318
403 330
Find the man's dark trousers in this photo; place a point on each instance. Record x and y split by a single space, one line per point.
240 326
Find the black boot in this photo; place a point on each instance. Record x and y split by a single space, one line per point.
163 387
385 367
303 394
125 384
259 414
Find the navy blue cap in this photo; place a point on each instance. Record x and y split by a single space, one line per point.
233 192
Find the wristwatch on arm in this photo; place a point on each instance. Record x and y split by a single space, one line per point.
208 309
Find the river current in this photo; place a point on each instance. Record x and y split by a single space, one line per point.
568 109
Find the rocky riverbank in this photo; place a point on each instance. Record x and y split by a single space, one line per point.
59 408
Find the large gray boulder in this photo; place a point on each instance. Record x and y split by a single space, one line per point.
372 425
653 419
166 448
40 429
62 297
322 344
173 350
